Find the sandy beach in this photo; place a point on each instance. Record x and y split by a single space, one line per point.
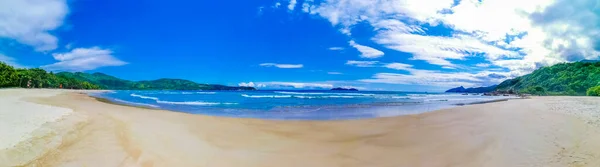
68 128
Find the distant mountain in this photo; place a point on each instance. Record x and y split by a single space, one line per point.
560 79
589 61
462 89
345 89
114 83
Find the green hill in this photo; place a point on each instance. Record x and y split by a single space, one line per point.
114 83
39 78
560 79
100 79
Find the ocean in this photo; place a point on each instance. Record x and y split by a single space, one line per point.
295 105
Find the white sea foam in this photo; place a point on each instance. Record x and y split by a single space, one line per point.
313 93
136 104
194 103
300 93
143 97
296 96
210 93
204 93
322 97
266 96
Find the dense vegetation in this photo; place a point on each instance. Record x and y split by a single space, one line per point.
561 79
472 90
594 91
38 78
114 83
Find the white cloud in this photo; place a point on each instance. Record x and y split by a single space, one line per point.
69 46
292 4
438 50
297 85
483 65
335 73
362 63
307 6
260 10
10 61
251 84
366 52
277 5
31 21
282 65
336 48
440 79
83 59
513 34
398 66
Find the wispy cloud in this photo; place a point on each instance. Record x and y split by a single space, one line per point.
399 66
367 52
307 6
282 65
30 22
292 5
9 60
336 48
362 63
251 84
441 79
277 5
512 34
297 85
84 59
334 73
483 65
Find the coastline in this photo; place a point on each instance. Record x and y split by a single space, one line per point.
527 132
295 106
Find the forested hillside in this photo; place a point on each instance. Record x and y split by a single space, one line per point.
560 79
38 78
114 83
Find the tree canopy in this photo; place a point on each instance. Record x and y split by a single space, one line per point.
38 78
560 79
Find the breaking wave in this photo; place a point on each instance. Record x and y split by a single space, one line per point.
143 97
136 104
194 103
315 93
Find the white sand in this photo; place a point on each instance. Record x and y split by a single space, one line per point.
18 118
30 130
547 131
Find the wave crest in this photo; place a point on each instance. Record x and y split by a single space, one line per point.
314 93
194 103
266 96
143 97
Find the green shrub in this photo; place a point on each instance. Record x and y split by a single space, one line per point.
594 91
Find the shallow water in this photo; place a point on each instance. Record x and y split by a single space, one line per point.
295 105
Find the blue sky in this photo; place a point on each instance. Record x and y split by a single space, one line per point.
407 45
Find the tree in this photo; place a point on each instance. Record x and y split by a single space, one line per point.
594 91
39 78
8 75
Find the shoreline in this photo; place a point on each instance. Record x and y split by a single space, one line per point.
541 131
401 108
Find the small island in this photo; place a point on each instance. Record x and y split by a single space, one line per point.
344 89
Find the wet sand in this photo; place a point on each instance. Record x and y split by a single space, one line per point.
542 131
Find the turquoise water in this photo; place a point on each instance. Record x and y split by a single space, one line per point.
294 105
